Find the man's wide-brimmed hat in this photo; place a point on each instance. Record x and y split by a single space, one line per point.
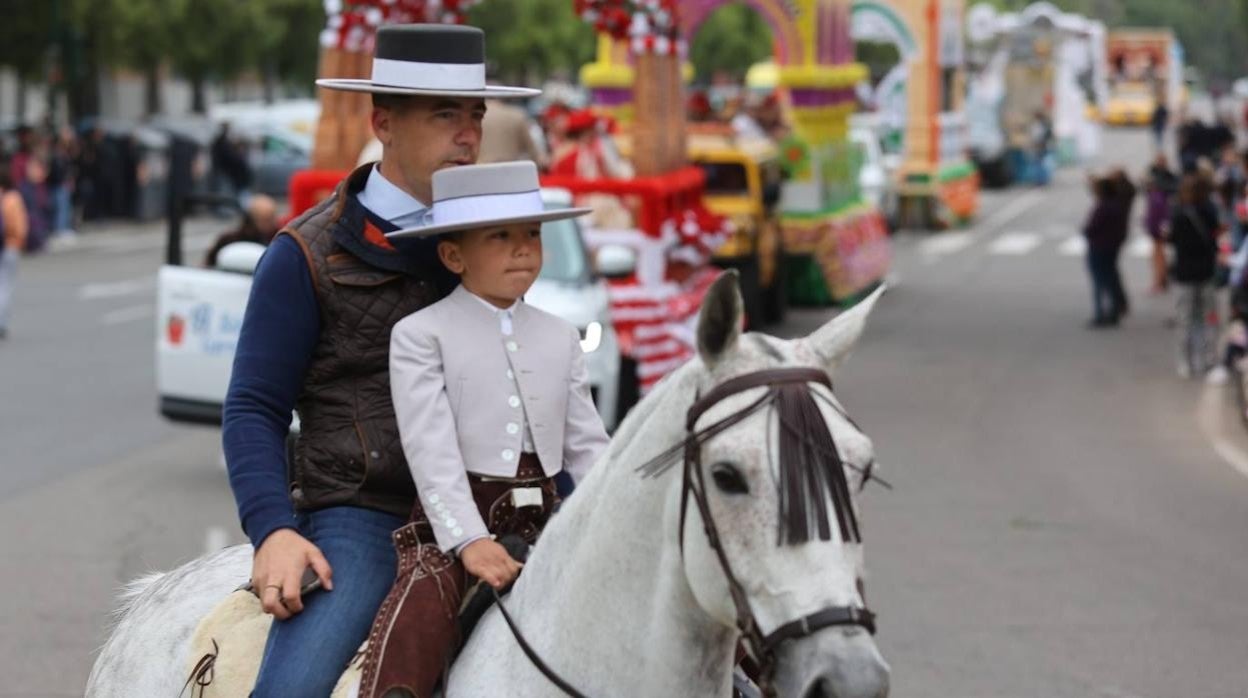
484 196
434 60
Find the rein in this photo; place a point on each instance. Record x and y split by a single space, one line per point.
795 518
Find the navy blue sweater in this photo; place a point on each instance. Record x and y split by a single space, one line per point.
280 331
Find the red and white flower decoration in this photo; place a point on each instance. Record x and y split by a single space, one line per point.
352 24
694 234
651 26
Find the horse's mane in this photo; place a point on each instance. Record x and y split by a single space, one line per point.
131 592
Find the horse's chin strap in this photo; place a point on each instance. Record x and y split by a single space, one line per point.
693 484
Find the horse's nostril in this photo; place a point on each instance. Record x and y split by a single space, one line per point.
819 689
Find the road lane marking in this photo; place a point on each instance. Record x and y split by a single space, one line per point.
942 244
215 538
1210 416
116 289
1012 210
1073 246
1014 244
129 313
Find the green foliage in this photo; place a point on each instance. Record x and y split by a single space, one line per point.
733 38
25 35
529 40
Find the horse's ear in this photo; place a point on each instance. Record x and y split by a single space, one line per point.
837 337
719 323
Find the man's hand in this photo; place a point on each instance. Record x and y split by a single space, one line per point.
278 569
489 562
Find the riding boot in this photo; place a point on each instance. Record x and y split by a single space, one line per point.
415 633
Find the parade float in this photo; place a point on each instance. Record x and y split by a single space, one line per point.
1039 61
921 101
825 245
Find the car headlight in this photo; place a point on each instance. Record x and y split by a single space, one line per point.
591 337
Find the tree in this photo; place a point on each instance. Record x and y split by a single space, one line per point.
25 37
528 41
732 39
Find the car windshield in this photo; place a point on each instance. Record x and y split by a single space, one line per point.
563 252
725 178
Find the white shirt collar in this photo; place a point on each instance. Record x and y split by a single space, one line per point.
384 198
504 315
491 306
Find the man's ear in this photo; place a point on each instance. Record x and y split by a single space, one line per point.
380 120
448 253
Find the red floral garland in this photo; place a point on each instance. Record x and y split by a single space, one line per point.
352 24
651 26
695 233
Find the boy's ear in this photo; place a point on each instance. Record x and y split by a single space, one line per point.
448 253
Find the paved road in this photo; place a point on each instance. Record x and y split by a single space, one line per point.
1062 523
1068 519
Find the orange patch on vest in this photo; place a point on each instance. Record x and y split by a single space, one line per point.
374 235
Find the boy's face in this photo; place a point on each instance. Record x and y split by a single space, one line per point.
499 263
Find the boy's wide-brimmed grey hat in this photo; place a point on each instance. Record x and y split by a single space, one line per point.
483 196
432 60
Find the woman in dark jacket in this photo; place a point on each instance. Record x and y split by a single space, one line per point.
1105 232
1194 233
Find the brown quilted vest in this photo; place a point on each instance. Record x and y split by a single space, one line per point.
348 451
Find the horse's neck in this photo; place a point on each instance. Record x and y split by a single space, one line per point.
608 576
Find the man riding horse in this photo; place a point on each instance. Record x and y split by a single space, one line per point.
315 340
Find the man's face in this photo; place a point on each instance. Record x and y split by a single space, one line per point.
499 263
427 134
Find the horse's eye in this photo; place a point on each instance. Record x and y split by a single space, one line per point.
728 479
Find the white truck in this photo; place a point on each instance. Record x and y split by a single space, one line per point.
199 313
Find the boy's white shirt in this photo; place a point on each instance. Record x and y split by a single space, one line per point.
465 393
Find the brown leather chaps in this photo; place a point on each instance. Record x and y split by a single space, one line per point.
415 635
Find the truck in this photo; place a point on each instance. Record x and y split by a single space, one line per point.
1144 66
743 180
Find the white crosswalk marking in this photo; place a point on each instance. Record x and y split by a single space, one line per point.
1014 243
945 243
1073 246
116 289
128 314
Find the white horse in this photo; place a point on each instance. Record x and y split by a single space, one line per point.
612 599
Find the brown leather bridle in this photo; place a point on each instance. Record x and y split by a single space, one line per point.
761 647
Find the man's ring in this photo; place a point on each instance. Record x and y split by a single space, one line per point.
274 586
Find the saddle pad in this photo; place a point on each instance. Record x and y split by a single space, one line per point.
240 627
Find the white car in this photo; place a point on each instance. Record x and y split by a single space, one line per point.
200 312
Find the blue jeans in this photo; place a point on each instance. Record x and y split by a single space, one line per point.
1109 298
307 654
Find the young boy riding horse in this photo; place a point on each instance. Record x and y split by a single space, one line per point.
492 400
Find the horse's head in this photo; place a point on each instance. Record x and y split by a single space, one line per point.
773 461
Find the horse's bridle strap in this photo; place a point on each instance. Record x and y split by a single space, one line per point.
759 379
813 623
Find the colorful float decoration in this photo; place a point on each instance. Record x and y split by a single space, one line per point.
815 79
922 100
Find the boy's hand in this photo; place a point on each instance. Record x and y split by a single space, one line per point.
489 562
